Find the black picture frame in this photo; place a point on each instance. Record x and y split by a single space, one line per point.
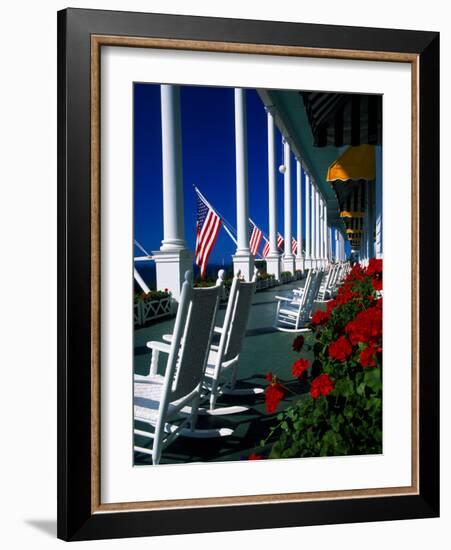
76 520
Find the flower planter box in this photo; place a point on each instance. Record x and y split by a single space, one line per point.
286 279
263 284
145 311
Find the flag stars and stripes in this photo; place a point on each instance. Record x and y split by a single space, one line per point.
266 248
208 225
255 237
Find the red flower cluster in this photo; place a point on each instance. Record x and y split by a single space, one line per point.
299 367
377 284
273 396
320 317
255 456
345 294
367 356
374 267
366 327
322 385
340 350
374 270
357 273
298 342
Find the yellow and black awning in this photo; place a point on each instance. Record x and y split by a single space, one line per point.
356 163
348 175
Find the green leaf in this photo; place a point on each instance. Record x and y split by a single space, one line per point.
361 388
373 379
344 387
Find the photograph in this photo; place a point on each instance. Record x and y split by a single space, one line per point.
257 274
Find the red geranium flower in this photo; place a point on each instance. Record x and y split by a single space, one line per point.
377 284
273 395
269 376
366 327
255 456
374 267
299 366
320 317
340 350
322 385
357 273
367 356
298 342
331 305
345 294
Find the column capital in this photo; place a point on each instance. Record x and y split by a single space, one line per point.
270 109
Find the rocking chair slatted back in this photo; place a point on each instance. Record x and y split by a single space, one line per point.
192 337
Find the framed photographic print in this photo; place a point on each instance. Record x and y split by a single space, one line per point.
248 274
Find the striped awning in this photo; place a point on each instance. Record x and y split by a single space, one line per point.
351 198
356 163
344 119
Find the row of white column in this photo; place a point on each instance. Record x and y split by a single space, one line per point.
174 258
317 231
340 253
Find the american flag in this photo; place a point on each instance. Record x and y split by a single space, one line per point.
266 247
294 245
255 237
208 225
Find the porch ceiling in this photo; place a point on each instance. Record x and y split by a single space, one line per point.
291 119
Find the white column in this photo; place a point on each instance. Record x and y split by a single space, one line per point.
313 224
325 232
307 221
299 253
288 256
173 218
336 244
321 230
317 226
371 219
173 258
273 258
379 216
243 260
329 249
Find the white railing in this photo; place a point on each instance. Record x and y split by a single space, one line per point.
147 310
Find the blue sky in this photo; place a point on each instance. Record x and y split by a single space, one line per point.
208 143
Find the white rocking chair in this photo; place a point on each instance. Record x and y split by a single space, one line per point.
223 360
325 290
293 313
168 404
221 371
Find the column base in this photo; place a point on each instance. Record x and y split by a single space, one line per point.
299 264
273 266
245 264
171 266
288 264
307 263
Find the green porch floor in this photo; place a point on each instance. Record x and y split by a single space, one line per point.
264 350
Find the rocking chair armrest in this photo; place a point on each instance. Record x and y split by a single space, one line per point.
159 346
156 347
283 298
